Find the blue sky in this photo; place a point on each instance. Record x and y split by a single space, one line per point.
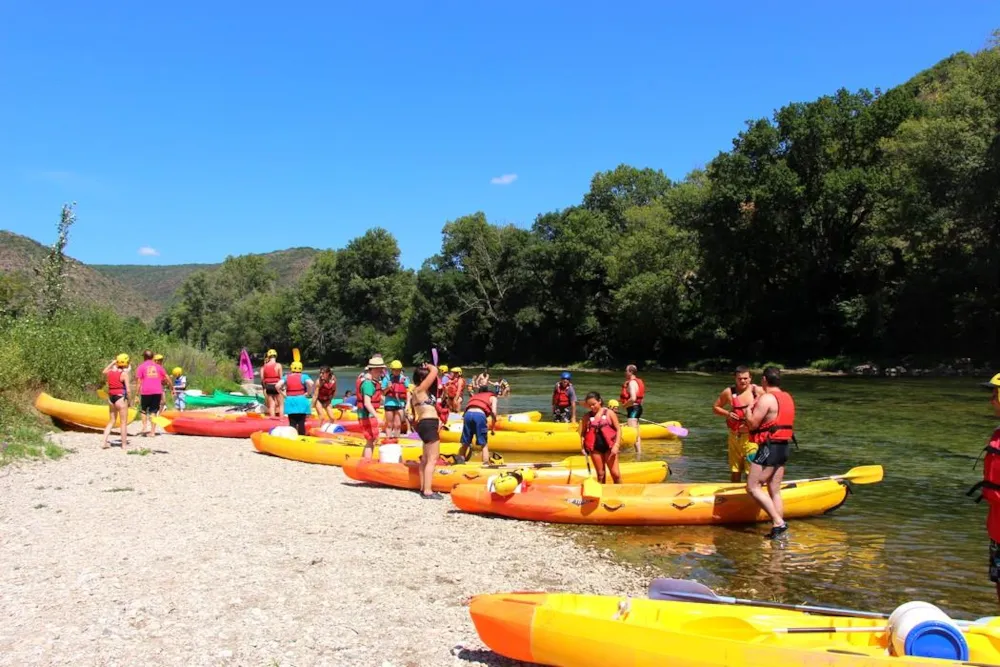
198 130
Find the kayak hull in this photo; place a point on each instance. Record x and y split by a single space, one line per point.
557 441
219 399
228 428
565 629
333 450
80 414
403 476
651 505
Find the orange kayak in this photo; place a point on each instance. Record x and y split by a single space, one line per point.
446 477
655 504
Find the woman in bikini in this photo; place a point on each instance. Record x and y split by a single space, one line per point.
423 410
118 390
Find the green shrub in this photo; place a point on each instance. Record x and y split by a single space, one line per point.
833 364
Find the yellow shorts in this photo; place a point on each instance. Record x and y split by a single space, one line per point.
740 448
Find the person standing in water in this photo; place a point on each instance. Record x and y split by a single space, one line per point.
482 405
326 389
991 485
117 377
296 388
733 404
564 400
270 376
601 438
369 391
153 382
424 416
395 389
772 428
632 396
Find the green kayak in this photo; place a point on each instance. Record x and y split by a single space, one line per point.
220 399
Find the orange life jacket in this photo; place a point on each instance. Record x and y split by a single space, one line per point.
781 429
989 487
270 374
600 422
739 410
482 400
640 390
376 397
325 391
116 383
294 386
454 388
397 387
560 396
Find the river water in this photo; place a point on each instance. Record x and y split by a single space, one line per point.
914 536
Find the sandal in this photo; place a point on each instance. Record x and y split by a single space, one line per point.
432 496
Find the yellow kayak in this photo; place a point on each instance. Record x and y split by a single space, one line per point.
566 629
331 451
506 423
559 441
81 414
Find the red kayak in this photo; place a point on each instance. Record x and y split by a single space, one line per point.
238 427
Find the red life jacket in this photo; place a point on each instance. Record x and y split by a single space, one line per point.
640 391
116 383
376 397
294 386
599 422
397 387
781 429
325 391
740 410
990 486
454 388
560 396
270 374
482 400
442 411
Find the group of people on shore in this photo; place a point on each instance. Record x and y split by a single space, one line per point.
154 385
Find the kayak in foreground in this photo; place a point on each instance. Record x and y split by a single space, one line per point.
569 471
81 414
661 504
333 450
558 441
596 631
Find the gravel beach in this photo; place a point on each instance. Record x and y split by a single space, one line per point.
205 552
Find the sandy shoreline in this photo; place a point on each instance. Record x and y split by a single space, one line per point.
212 554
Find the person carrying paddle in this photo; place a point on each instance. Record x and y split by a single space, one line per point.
482 405
424 416
733 404
153 381
772 428
369 391
296 388
117 377
326 389
395 389
270 376
564 400
632 396
601 437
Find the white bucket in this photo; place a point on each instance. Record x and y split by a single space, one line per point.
390 453
919 629
284 432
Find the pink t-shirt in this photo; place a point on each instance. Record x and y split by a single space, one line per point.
150 376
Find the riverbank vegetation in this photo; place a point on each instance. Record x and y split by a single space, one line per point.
861 225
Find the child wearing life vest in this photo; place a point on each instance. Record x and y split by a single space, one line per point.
180 385
601 437
564 400
326 389
990 485
395 392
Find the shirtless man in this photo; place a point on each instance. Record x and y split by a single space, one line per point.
772 428
733 403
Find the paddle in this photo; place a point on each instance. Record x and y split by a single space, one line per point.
679 431
295 354
682 590
162 422
103 395
591 489
858 475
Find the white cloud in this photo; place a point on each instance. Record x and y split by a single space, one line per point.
506 179
146 251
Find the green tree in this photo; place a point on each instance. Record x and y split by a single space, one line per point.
53 268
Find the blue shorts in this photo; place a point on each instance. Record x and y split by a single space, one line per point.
474 423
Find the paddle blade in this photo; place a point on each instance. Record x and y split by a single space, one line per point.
434 355
592 489
162 422
679 431
663 588
295 354
865 474
101 394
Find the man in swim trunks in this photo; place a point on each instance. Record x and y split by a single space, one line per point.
772 427
632 396
369 401
733 403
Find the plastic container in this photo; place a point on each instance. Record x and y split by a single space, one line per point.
919 629
284 432
391 453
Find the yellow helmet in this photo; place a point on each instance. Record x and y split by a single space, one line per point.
396 365
271 353
157 357
613 404
457 369
177 372
296 366
442 368
505 484
527 475
122 360
994 382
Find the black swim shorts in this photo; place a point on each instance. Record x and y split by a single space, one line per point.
771 455
634 412
150 403
428 430
271 389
